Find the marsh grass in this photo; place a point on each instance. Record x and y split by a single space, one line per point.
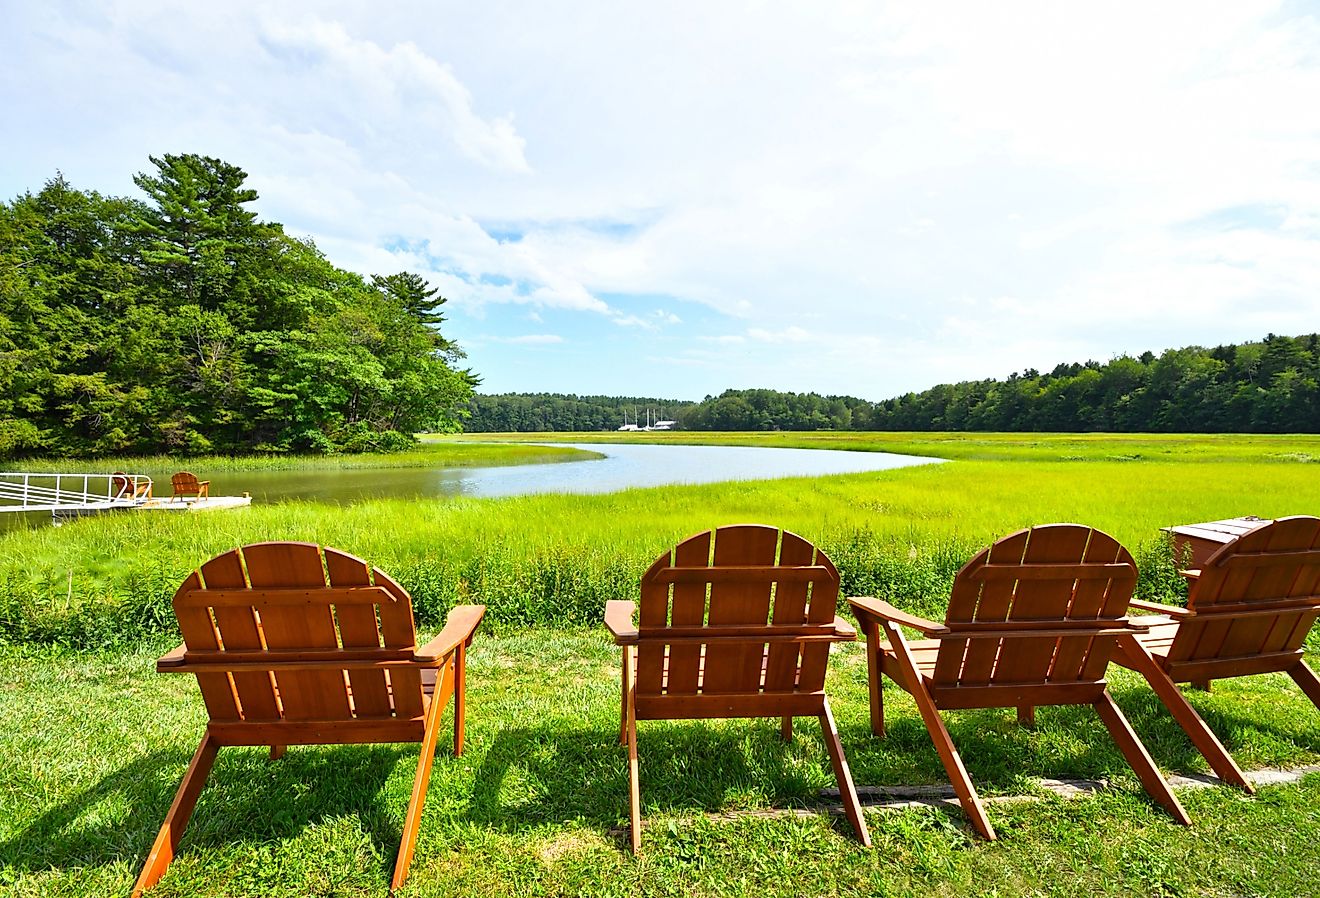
92 747
1124 447
427 454
555 559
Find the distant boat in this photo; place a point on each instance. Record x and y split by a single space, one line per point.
650 423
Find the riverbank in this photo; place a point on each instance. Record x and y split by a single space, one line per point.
555 559
1072 447
432 452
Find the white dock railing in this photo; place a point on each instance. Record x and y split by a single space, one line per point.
59 492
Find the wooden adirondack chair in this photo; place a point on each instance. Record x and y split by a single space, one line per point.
1032 621
129 486
758 648
1249 609
185 483
286 656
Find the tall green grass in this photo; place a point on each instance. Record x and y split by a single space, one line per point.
1281 448
428 454
556 559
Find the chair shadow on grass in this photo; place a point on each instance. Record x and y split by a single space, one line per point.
1069 743
246 798
534 776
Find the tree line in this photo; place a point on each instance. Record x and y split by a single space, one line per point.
1268 386
546 412
182 323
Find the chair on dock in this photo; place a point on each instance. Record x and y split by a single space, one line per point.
1249 610
1032 620
130 486
285 655
757 648
185 483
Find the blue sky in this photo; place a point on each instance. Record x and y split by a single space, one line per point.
674 199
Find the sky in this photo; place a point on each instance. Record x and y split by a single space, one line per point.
674 199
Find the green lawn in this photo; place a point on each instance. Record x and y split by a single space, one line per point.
93 742
92 748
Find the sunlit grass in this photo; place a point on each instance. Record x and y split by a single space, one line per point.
92 744
92 748
1285 448
557 558
427 454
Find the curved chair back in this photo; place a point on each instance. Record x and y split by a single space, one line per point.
1256 597
1041 606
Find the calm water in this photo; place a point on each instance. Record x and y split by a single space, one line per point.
623 467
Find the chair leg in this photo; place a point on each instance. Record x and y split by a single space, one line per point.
1137 756
625 672
1304 677
852 807
277 751
873 679
786 729
176 821
1026 715
460 697
939 734
634 785
1203 685
1206 742
412 820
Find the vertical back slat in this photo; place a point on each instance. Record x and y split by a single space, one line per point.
963 600
822 607
199 634
239 630
689 610
306 695
996 598
736 667
358 629
1028 659
790 609
1113 604
398 631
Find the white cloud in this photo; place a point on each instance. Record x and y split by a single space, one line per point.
880 197
403 80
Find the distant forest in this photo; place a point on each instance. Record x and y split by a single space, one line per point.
544 412
184 324
1271 386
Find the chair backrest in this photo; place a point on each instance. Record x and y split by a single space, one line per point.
185 482
122 486
281 603
1040 606
1258 595
741 610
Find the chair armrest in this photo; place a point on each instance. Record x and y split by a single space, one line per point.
171 659
459 627
618 620
844 629
1191 575
1172 611
872 607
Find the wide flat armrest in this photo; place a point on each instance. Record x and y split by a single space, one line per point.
171 659
459 627
1172 611
844 629
872 607
618 620
1191 574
